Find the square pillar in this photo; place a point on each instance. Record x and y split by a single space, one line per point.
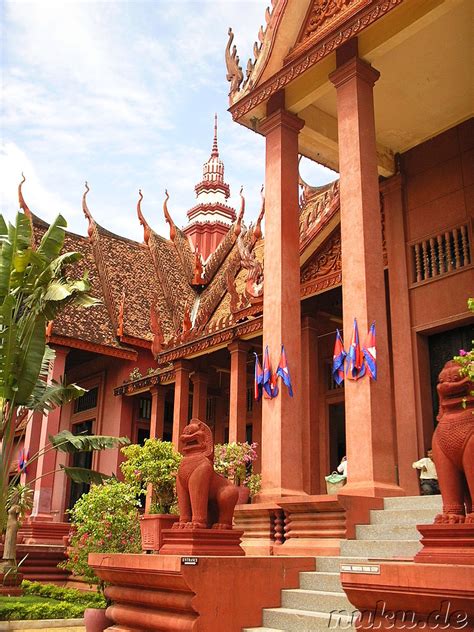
238 390
200 381
47 462
368 403
281 416
407 429
157 420
315 435
181 399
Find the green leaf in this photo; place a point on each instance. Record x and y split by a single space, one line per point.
52 241
65 441
83 475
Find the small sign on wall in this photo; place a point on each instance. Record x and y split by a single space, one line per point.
189 561
367 569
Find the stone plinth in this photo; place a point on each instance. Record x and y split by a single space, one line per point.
262 525
446 544
42 532
10 584
427 596
40 562
201 542
160 592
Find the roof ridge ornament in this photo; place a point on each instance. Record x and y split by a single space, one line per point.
87 213
257 231
141 218
168 216
238 224
121 316
234 72
215 148
21 200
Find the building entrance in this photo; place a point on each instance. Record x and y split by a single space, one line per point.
337 434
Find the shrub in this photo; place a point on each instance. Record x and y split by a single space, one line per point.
105 520
70 595
234 461
156 463
14 609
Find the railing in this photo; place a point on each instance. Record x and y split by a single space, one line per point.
441 254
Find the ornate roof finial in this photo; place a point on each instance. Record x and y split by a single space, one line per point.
234 72
168 216
141 219
238 224
198 269
158 337
187 323
87 213
21 200
257 231
215 149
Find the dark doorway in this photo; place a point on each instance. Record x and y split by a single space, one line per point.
442 348
337 434
80 459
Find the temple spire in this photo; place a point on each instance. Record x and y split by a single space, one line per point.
215 148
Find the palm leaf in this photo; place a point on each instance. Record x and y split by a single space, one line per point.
52 241
65 441
46 397
30 357
83 475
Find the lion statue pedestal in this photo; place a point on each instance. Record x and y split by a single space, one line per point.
206 501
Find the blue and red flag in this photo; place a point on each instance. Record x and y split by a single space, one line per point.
370 353
270 387
258 379
338 359
23 456
284 372
355 365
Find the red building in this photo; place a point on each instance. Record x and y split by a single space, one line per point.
390 241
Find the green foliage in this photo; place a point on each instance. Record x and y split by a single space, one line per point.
34 288
105 520
70 595
234 461
155 463
28 608
22 497
65 441
254 483
466 357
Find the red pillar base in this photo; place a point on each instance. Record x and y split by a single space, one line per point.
159 592
202 542
10 584
412 597
446 544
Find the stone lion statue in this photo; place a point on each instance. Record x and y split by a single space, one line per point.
453 445
205 498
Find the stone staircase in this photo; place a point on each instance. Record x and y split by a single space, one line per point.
391 533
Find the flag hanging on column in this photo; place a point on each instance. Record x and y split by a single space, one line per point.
338 359
270 387
355 365
284 372
258 379
23 457
370 353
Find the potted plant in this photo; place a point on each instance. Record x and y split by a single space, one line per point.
105 520
234 461
151 469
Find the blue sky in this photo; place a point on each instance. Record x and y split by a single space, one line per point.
122 94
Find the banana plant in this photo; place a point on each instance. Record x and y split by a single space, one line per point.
34 287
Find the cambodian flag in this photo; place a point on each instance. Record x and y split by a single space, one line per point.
338 358
355 366
270 386
370 352
258 380
23 457
284 372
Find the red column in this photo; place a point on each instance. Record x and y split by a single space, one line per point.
281 416
32 443
238 390
47 462
315 436
157 419
220 417
402 347
181 399
200 381
368 406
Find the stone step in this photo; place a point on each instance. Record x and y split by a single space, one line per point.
383 549
330 582
413 502
293 620
261 630
403 516
387 532
314 600
332 563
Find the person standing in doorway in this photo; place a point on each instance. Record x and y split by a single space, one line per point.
428 476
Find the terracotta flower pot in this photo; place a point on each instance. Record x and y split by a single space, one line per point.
244 495
95 620
151 526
